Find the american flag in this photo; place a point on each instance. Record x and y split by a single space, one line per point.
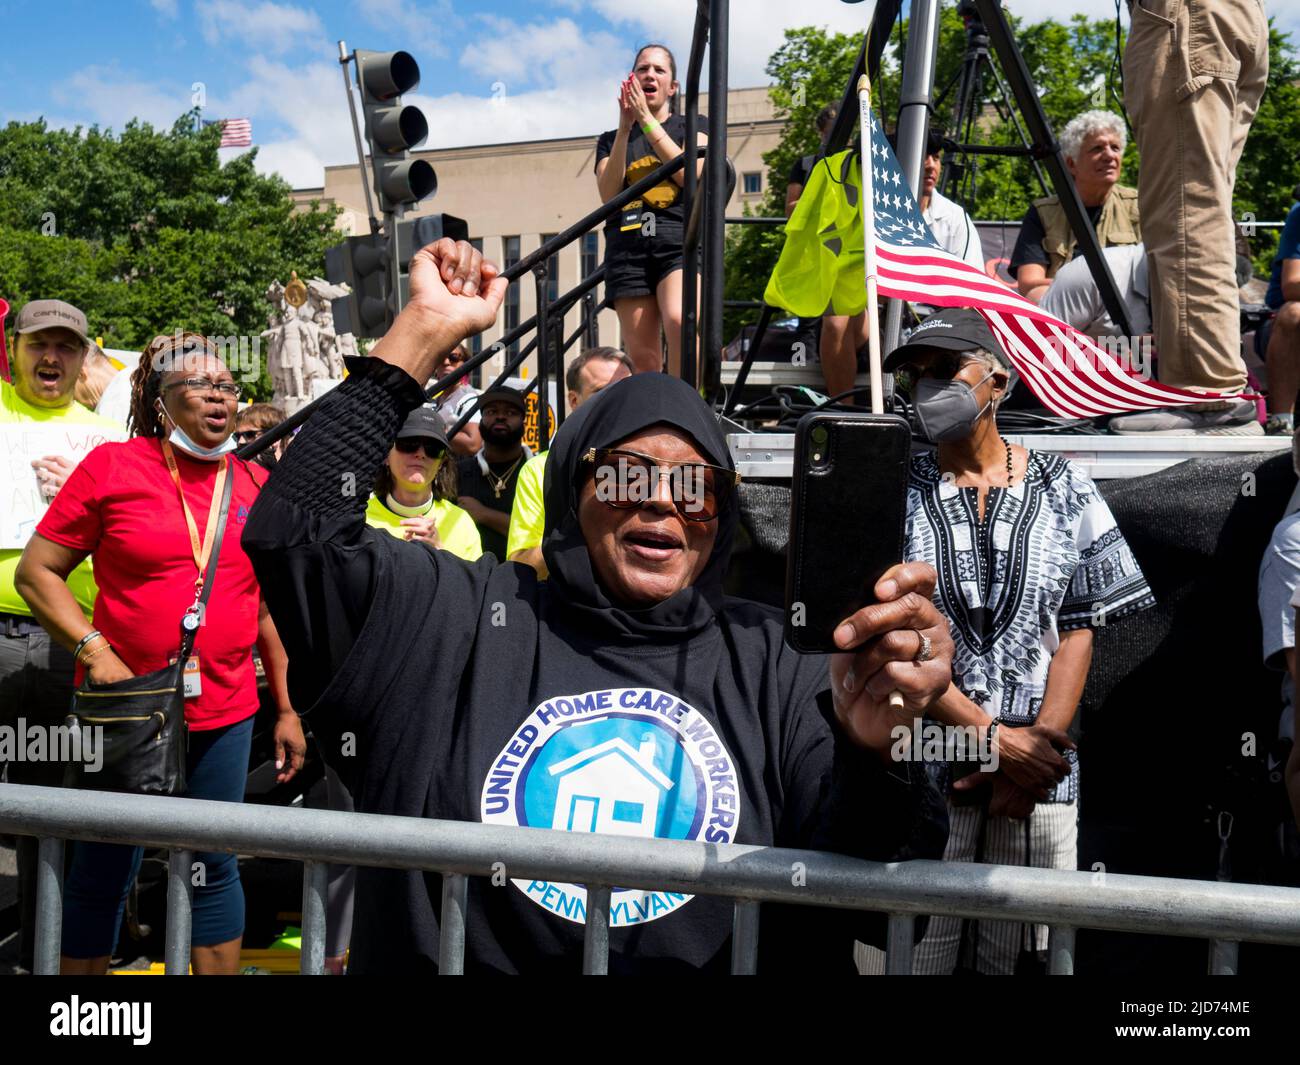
235 132
1066 370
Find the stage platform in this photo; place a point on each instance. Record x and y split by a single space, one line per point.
764 376
770 456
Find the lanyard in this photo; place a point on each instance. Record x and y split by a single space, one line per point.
203 551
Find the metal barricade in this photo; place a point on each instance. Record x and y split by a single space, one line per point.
1223 914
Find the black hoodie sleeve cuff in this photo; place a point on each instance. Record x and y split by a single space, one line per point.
881 811
346 440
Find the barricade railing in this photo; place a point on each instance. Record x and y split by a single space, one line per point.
1224 914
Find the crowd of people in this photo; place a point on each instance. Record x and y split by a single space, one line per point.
479 633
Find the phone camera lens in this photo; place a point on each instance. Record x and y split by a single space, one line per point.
820 438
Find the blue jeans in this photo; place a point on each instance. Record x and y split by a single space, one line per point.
102 873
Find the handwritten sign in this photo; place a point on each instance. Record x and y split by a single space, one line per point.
22 504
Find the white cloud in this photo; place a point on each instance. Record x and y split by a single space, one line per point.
758 26
757 29
544 53
421 26
106 96
570 111
166 8
263 27
307 102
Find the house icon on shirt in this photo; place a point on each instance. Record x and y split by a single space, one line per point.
611 789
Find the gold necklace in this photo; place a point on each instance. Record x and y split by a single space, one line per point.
499 483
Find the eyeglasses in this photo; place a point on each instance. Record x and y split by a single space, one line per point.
411 444
627 479
228 389
243 436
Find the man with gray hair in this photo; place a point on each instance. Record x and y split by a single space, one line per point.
1093 145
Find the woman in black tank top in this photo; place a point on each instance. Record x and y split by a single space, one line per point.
643 242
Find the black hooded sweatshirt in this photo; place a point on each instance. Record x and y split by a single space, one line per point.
476 692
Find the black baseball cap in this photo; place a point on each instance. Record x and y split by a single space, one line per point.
933 142
503 395
955 329
423 422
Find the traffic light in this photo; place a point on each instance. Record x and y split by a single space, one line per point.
414 233
393 129
363 264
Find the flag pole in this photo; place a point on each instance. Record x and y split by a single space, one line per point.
869 250
869 265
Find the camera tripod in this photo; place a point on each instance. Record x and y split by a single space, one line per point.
986 24
959 178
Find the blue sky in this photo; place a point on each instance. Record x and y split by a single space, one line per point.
492 70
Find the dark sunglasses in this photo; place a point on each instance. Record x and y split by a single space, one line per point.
243 436
411 444
627 479
943 367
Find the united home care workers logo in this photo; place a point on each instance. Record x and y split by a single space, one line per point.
621 762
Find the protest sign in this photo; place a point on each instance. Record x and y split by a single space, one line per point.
22 504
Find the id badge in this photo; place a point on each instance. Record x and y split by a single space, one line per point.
631 219
191 679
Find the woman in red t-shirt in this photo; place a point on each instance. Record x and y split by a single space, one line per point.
146 510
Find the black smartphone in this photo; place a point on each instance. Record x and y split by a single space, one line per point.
848 502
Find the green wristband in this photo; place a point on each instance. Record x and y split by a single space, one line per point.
649 127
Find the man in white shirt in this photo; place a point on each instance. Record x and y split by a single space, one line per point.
951 225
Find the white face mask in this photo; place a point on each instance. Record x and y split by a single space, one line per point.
180 439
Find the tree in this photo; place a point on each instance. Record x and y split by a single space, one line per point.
148 232
1075 67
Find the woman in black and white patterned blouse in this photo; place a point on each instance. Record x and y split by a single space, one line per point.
1029 562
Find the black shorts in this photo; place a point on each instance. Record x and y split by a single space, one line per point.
635 264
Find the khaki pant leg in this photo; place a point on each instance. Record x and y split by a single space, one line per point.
1182 64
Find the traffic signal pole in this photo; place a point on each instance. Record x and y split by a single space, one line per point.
346 57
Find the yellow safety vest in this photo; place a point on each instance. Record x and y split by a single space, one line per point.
820 270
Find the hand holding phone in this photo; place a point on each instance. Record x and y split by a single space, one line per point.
847 589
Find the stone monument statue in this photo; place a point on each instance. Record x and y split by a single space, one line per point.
304 354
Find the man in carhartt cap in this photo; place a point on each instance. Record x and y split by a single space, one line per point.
50 344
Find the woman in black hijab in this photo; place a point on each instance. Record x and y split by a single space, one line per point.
623 695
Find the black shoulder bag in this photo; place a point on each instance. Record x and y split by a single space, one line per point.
137 725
